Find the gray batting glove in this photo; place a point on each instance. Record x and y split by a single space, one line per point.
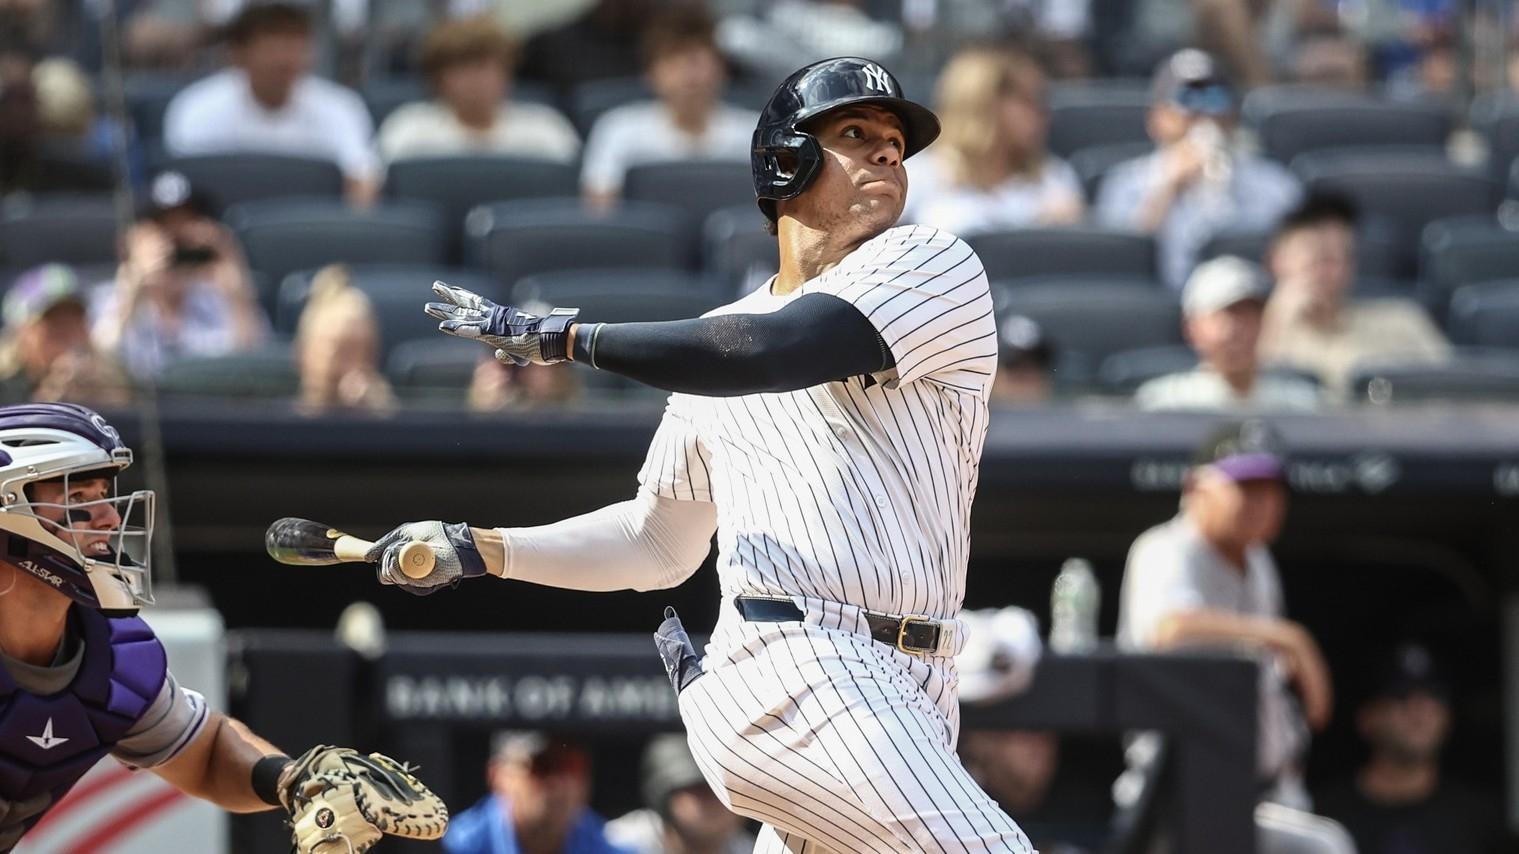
454 553
518 336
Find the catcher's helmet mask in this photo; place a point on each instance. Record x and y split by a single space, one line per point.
66 443
786 157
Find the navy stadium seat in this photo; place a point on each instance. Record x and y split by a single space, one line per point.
517 239
1496 117
1093 163
1405 190
268 373
456 185
1087 324
615 297
1084 115
148 96
1076 250
1292 120
1468 376
562 287
398 293
1464 251
78 230
230 179
1123 373
1486 315
282 236
700 187
737 250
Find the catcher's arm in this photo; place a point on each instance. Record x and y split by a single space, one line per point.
217 765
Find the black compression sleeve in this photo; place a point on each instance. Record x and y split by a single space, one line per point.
816 338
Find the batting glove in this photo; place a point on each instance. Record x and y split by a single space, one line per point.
454 553
518 336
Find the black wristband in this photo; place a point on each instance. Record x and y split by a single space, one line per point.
266 778
554 334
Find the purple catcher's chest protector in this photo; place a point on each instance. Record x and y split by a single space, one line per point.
47 742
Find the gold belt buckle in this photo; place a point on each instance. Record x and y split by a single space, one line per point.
902 633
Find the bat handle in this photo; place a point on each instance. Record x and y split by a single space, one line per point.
416 559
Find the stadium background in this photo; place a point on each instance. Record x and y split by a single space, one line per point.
1403 519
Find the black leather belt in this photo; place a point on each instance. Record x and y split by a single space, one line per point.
912 635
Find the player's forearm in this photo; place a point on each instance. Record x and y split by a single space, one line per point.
815 339
1202 626
647 543
218 765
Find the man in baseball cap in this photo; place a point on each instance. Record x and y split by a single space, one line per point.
1222 305
45 349
1401 801
1196 184
682 815
1206 579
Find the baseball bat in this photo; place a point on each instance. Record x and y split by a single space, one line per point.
302 542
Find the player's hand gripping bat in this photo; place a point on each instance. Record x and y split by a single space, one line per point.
302 542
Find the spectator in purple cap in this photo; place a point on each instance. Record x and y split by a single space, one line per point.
45 350
1206 580
182 289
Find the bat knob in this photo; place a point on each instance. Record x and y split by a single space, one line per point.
417 559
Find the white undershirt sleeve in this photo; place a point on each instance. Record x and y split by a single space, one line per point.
646 543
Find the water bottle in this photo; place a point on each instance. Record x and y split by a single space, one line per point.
1074 600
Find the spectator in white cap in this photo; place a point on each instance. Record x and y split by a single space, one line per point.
1223 305
682 816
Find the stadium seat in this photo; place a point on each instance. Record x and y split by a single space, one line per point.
1004 291
62 167
618 296
1464 251
456 185
1469 376
282 236
148 96
1408 191
588 101
1085 115
1496 117
517 239
698 186
1377 252
1486 315
1064 251
1094 162
563 287
398 293
230 179
1088 324
1292 120
264 374
78 230
737 250
1122 373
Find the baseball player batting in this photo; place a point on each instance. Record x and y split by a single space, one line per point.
828 428
81 676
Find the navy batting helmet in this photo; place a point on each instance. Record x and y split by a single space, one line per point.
786 158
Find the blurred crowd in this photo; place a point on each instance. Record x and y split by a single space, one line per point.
1266 280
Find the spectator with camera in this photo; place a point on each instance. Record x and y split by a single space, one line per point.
268 102
1197 184
468 62
182 289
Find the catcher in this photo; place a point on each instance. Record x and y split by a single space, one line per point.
81 676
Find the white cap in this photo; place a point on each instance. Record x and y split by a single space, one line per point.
1222 282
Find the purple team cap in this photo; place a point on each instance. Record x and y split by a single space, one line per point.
1244 451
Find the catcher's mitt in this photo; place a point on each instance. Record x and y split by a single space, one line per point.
341 801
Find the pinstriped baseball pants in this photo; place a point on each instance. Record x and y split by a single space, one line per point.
837 744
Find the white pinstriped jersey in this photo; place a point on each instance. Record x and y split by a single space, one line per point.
857 491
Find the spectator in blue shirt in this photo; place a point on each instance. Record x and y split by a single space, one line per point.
540 786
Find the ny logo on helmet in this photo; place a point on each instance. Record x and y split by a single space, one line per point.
876 78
